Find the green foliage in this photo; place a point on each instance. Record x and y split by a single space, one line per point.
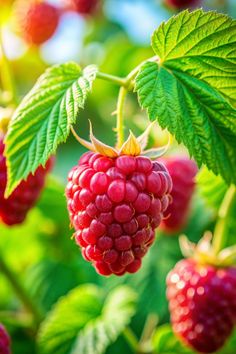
47 280
84 322
190 88
43 119
211 187
165 342
202 44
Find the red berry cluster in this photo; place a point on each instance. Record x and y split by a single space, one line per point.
115 206
37 21
14 209
4 341
202 303
182 171
84 7
181 4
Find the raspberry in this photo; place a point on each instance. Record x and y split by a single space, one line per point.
4 341
36 21
182 171
114 209
14 209
202 304
84 7
180 4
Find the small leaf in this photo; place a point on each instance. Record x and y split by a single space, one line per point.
85 322
187 247
87 144
131 146
157 152
43 119
191 90
143 138
100 146
228 256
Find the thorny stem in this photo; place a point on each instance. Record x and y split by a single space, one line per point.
126 84
220 233
6 73
20 291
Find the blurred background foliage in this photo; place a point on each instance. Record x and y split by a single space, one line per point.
46 261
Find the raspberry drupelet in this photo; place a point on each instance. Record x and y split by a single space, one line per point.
115 204
202 303
13 210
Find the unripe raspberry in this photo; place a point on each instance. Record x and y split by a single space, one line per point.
83 7
36 21
202 304
14 209
182 171
4 341
181 4
115 209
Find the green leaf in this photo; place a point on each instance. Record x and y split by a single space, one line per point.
48 280
43 119
201 44
211 187
165 342
192 86
84 322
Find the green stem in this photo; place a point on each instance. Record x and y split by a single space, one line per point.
18 319
131 339
115 79
20 291
149 328
220 233
125 81
120 121
6 73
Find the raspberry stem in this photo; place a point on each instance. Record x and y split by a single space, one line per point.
220 233
126 84
131 339
112 78
20 291
6 73
120 121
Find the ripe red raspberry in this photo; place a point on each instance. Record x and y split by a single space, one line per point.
14 209
202 304
180 4
182 171
36 21
84 7
115 206
4 341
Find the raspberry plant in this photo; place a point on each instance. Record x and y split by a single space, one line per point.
118 196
